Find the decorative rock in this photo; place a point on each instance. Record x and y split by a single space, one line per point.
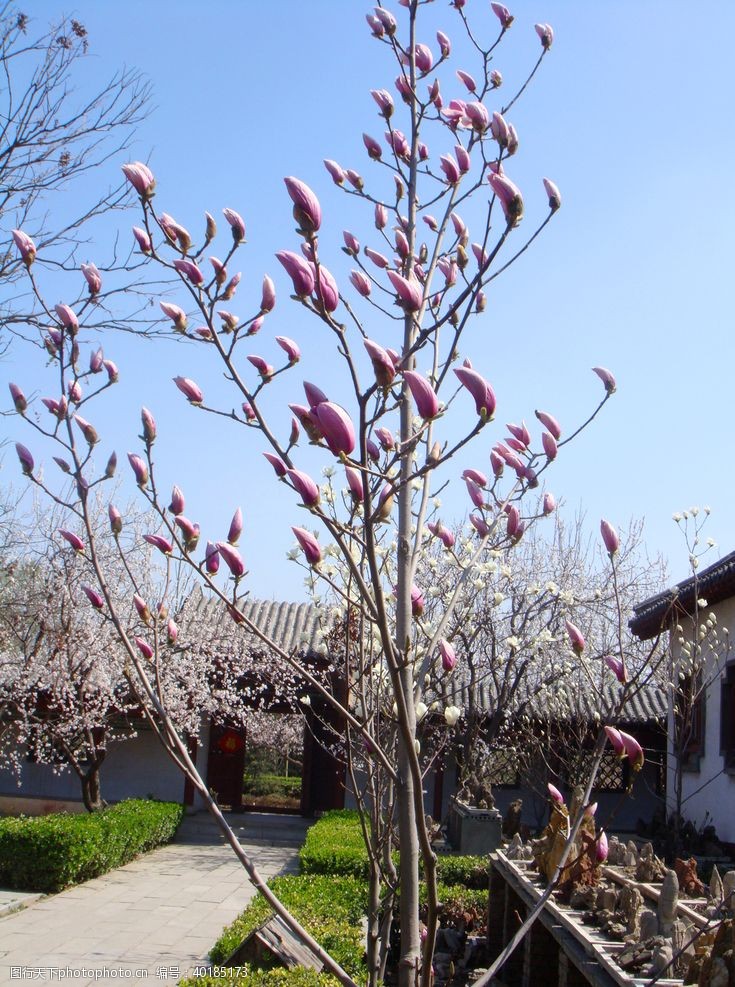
662 958
607 900
728 890
667 902
689 883
649 868
631 858
512 819
715 886
630 904
615 852
648 921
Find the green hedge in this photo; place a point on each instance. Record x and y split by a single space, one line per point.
330 909
334 845
48 853
269 784
277 977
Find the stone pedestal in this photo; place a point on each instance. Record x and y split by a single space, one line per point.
473 831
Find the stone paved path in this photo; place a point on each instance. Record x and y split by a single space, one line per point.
151 921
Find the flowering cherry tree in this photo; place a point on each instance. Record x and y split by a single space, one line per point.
401 324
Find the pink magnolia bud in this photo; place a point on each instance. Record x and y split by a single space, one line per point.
229 321
237 224
300 272
95 598
549 422
304 486
576 638
444 535
385 438
417 601
549 504
255 326
549 443
190 532
140 469
402 248
278 465
546 34
553 193
601 848
111 465
159 542
410 292
609 537
308 421
75 391
385 503
354 482
268 295
459 226
172 633
290 348
211 559
378 259
190 271
513 523
96 361
497 463
235 531
478 116
265 370
510 198
450 168
383 366
445 45
176 314
475 492
513 143
475 476
381 216
177 501
617 667
149 426
361 283
115 519
427 403
220 271
327 291
431 223
314 395
503 14
141 178
384 100
112 372
142 608
556 795
423 58
373 450
448 655
373 148
189 389
354 179
74 540
337 173
88 431
18 398
480 390
210 229
633 750
93 278
607 379
144 241
67 317
145 649
616 739
496 79
306 209
337 428
26 246
352 244
480 525
175 232
467 79
387 19
309 544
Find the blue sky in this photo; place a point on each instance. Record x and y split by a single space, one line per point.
630 115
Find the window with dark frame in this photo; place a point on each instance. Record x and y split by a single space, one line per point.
727 717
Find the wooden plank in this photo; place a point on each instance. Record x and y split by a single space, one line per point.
277 940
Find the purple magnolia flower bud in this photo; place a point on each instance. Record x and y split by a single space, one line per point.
172 633
480 525
159 542
336 427
463 158
513 523
398 142
265 370
112 372
476 476
499 129
549 504
510 198
374 149
176 314
145 649
378 259
175 232
189 269
300 272
549 443
95 598
431 223
503 14
308 421
233 536
352 244
497 463
385 503
448 655
93 278
306 209
220 271
304 486
496 79
417 601
309 544
360 282
142 608
609 537
444 535
144 241
237 223
255 326
18 398
111 466
88 431
576 638
480 390
387 19
383 366
326 290
556 795
549 422
115 519
74 540
546 34
337 173
190 531
140 469
26 246
607 379
96 360
475 492
410 293
189 389
177 501
278 465
381 216
385 438
211 559
478 116
616 739
149 426
210 229
75 391
229 321
268 295
553 193
467 79
373 450
354 482
67 317
141 178
617 667
445 45
354 179
450 168
633 750
290 348
423 58
314 395
375 26
384 100
427 403
402 247
601 848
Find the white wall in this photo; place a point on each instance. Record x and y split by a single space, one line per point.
709 789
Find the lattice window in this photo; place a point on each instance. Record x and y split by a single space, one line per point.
611 777
503 768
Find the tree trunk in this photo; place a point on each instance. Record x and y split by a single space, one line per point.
91 789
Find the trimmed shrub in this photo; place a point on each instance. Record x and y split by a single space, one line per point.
48 853
277 977
330 909
471 872
269 784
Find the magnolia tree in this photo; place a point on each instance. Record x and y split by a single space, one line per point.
419 282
